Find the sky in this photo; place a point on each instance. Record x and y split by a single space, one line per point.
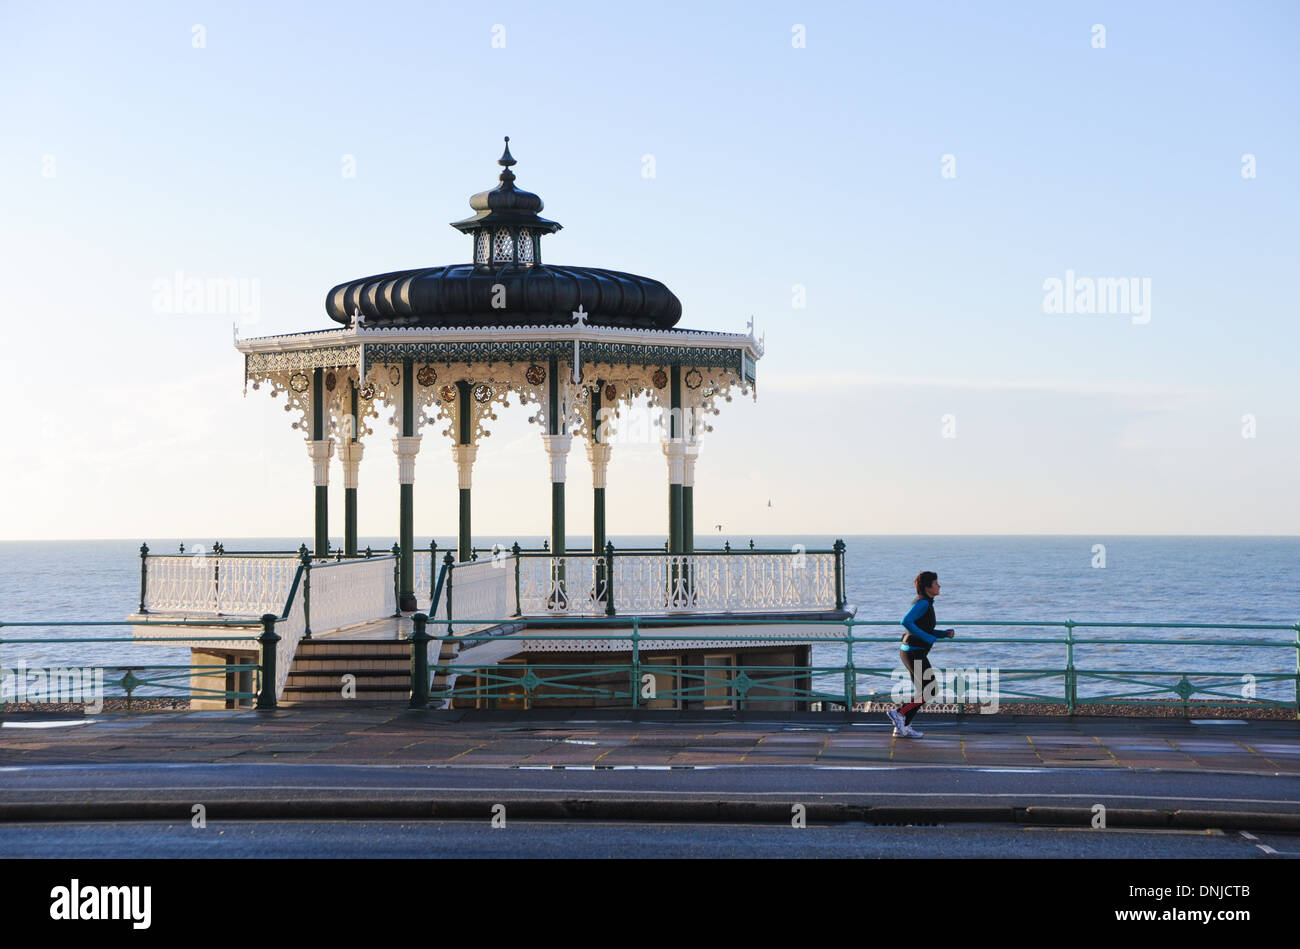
889 191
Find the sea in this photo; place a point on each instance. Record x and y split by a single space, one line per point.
984 580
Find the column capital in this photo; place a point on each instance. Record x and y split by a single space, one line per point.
320 451
675 452
350 453
598 454
406 447
464 456
689 457
557 446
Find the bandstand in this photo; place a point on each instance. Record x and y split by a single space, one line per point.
436 353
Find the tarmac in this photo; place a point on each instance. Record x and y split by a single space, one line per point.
1195 758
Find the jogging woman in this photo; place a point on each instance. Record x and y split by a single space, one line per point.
915 650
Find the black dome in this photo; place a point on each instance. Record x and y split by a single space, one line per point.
541 295
507 272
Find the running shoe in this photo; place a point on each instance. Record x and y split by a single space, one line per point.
900 726
910 732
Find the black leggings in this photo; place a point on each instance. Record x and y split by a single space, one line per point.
917 663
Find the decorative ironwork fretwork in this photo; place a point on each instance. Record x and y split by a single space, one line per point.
260 365
502 247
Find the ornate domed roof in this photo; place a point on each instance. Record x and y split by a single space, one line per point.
507 284
541 295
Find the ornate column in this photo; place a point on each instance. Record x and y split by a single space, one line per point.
320 451
598 454
464 455
690 452
674 449
407 446
350 451
557 447
319 448
675 452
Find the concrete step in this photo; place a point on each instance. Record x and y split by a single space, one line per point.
330 694
363 683
334 647
336 664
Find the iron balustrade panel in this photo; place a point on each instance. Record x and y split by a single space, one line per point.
572 585
351 592
482 590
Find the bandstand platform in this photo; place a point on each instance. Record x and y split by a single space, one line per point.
447 347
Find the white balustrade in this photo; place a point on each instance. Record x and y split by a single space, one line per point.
649 584
480 590
570 584
290 630
225 585
350 592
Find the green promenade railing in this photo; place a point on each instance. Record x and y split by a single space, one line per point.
633 673
848 662
69 683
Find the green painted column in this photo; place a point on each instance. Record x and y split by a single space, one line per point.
350 455
688 519
598 521
407 446
464 453
598 453
558 443
320 450
674 448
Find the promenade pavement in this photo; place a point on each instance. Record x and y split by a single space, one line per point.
370 734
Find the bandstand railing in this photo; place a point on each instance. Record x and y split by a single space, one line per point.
292 594
520 582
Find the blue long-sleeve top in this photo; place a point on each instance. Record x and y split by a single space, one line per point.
918 610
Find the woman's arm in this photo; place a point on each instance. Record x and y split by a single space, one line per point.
915 613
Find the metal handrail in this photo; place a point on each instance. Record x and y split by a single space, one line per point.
1071 673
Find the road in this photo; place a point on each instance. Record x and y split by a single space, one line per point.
434 839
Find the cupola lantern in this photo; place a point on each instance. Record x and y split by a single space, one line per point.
506 228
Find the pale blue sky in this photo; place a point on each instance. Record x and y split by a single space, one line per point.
774 166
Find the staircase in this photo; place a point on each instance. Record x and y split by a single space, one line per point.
382 670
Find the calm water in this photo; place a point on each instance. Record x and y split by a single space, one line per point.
1145 579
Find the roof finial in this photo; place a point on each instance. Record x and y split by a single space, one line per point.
506 159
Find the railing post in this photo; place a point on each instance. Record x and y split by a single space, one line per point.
217 551
397 580
268 641
144 574
1070 687
636 660
839 574
609 579
850 673
450 561
304 557
1297 670
433 570
514 549
420 662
